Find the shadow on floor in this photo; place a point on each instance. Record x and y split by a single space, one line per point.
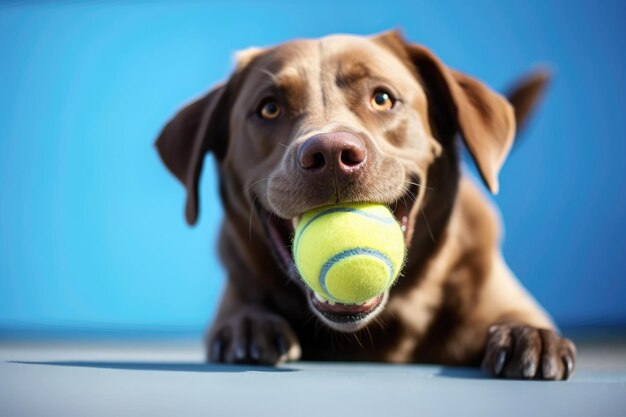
163 366
462 373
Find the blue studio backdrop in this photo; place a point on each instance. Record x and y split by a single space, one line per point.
91 225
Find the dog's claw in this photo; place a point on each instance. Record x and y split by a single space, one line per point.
216 351
240 352
569 366
281 344
548 367
529 370
255 353
500 359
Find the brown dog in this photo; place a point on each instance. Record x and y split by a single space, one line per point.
345 119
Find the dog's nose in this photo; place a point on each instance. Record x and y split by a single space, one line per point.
342 152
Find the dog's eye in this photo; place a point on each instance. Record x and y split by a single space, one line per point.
382 100
269 109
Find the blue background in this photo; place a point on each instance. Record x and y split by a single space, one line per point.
91 225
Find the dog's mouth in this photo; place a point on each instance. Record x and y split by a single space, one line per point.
346 317
339 316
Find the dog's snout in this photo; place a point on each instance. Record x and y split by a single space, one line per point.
340 152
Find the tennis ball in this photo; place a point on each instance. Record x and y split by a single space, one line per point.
349 253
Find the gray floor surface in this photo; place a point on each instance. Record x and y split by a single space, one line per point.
169 379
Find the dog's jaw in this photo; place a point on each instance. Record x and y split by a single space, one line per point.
346 321
340 317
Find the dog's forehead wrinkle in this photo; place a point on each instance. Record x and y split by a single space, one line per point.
267 72
360 54
322 82
348 73
286 75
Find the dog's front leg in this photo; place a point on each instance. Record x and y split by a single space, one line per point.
249 333
522 342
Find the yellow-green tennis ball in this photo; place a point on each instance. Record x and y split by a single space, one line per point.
349 253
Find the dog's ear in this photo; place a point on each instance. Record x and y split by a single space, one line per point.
459 103
196 129
525 95
484 118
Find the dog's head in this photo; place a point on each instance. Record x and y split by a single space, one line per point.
341 119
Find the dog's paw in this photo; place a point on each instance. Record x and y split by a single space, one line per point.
525 352
252 336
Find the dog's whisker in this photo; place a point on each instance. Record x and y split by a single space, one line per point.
381 324
420 185
408 192
252 211
395 205
413 195
308 318
268 73
256 182
356 337
430 232
274 216
404 199
318 328
369 335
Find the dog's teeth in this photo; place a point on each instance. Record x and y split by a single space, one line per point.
332 303
320 299
405 220
295 221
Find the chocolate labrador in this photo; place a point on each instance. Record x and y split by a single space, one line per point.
349 119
